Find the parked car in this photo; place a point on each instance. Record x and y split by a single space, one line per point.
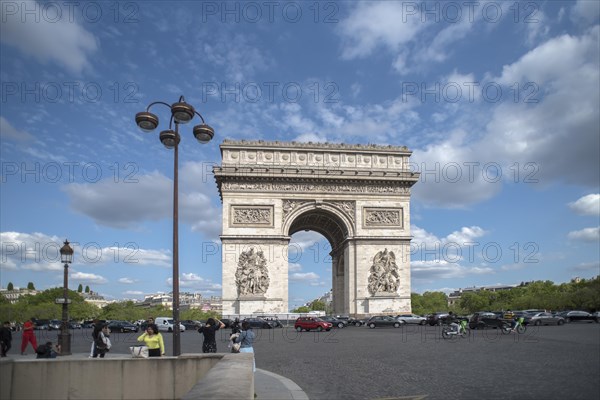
191 324
258 323
544 318
436 318
122 326
335 321
578 316
167 324
274 321
383 320
484 319
411 319
311 323
74 325
54 325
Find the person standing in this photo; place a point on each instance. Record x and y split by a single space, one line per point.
154 340
28 336
102 342
209 331
5 339
236 326
246 338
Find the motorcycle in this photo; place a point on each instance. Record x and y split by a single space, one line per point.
449 331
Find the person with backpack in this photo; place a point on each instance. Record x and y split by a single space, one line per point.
246 338
102 343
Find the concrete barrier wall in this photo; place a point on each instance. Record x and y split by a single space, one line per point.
119 378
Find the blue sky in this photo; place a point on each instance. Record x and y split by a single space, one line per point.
498 101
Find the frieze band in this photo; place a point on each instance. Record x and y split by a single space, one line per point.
378 217
252 215
313 187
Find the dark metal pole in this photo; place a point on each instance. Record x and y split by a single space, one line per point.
65 336
176 332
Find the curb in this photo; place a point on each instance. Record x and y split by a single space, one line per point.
295 392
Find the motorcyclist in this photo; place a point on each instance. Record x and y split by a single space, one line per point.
451 321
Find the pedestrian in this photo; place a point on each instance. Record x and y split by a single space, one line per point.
149 321
154 340
209 330
5 339
236 326
102 342
246 338
28 336
95 323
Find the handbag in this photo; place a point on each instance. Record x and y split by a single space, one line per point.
235 347
139 351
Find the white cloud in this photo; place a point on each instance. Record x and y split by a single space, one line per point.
133 293
294 267
585 235
127 281
9 132
430 271
593 266
88 278
303 276
125 205
587 205
35 252
194 281
65 43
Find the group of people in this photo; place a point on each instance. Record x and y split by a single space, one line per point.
241 333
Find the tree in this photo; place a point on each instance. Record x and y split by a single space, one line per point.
30 286
87 289
317 305
80 288
10 286
301 309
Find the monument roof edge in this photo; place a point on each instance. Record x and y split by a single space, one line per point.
230 143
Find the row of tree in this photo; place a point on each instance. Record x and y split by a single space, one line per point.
43 306
31 286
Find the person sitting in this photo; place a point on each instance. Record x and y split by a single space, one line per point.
47 350
451 321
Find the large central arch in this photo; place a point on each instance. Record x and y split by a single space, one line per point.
357 197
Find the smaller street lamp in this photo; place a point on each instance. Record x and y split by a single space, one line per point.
64 337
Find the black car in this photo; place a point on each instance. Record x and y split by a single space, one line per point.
436 318
482 320
122 326
578 316
383 320
338 323
274 321
258 323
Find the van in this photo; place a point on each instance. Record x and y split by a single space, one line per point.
166 324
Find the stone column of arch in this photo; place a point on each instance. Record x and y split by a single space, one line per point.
356 196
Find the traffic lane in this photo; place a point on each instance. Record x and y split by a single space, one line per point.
546 362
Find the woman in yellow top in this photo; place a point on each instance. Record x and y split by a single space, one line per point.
154 341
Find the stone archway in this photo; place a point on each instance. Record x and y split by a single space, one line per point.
357 197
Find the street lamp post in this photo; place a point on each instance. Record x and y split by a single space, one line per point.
181 113
64 337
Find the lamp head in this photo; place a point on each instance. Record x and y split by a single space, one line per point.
169 138
146 121
203 133
182 112
66 253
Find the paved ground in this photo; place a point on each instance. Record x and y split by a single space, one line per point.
552 362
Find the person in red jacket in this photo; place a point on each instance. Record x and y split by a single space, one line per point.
28 336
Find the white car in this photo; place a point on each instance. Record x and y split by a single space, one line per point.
411 319
167 324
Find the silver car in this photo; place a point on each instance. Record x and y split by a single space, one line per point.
411 319
544 318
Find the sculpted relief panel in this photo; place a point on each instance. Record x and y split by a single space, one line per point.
384 277
382 217
252 274
251 215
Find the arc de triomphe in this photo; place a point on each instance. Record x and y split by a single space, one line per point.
356 196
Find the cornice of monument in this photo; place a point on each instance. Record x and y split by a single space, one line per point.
242 144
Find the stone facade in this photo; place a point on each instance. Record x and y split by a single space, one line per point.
358 197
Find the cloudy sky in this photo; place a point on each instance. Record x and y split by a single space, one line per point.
498 101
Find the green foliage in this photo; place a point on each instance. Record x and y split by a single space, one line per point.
10 286
198 315
301 309
30 286
87 289
80 288
317 306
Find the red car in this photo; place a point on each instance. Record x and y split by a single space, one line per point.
309 323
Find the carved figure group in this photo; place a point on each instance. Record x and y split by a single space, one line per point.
384 276
252 275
